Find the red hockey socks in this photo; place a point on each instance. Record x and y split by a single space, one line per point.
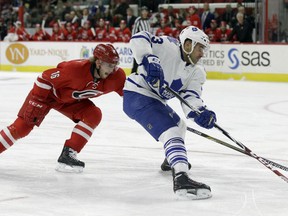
80 136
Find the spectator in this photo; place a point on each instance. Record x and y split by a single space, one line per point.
53 21
194 17
182 15
110 32
109 13
40 34
155 20
242 31
50 19
156 17
86 17
17 33
227 15
70 33
248 18
57 33
187 21
212 32
85 32
98 12
123 33
27 17
120 11
76 22
67 18
206 17
164 29
101 31
223 32
121 8
171 15
3 29
178 28
130 18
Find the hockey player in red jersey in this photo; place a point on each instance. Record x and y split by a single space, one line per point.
67 89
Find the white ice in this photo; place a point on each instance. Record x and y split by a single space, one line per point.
122 175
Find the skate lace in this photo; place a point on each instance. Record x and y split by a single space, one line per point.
73 154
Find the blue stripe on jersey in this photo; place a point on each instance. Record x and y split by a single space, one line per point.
191 91
132 81
139 86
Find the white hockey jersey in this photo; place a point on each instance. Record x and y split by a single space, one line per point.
184 78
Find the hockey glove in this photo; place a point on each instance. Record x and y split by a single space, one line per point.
206 118
35 112
155 76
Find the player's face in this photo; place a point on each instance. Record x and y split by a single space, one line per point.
197 53
106 69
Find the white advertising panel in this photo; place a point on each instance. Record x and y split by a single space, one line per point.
253 61
237 58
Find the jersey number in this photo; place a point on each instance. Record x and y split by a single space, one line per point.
55 75
157 40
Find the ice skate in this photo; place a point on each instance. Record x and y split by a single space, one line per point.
166 167
68 161
186 188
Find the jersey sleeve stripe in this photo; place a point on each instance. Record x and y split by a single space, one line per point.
42 85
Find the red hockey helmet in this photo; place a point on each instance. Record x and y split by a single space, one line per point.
106 53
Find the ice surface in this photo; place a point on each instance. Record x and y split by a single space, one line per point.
122 175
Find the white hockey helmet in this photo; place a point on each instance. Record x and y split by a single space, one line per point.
196 35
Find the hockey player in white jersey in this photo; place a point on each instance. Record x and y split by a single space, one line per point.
166 61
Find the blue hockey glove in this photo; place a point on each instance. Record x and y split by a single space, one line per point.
206 118
155 76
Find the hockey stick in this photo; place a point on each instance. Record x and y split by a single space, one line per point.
235 148
247 150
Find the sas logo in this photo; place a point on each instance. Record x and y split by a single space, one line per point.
17 53
246 58
233 57
84 52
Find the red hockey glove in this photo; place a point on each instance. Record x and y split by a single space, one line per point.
35 112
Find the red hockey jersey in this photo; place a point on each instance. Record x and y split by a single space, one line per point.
73 80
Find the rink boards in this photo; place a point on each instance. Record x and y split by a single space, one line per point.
256 62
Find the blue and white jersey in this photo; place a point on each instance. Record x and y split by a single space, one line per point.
184 78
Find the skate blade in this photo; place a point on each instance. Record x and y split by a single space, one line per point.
193 195
68 169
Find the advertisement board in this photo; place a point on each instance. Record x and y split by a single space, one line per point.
222 61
